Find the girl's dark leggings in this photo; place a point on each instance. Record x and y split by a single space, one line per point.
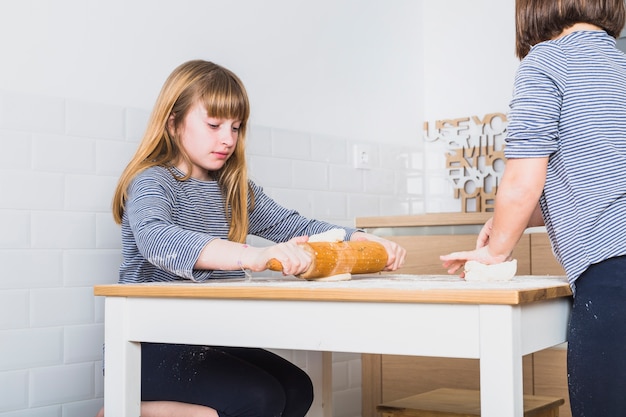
596 356
236 382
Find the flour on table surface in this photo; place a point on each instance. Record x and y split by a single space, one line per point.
333 278
380 281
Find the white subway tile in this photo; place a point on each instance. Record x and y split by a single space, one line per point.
393 206
410 183
14 389
363 205
345 178
51 411
439 186
91 266
330 149
417 160
15 226
19 146
393 157
13 311
95 120
63 230
310 175
340 376
108 233
436 159
99 380
61 306
113 156
417 206
30 348
354 373
347 403
291 144
57 153
300 358
46 387
259 141
329 206
83 343
345 356
299 200
379 181
32 113
34 191
89 192
30 268
98 306
270 172
87 408
136 123
442 205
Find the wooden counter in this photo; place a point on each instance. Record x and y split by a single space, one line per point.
426 237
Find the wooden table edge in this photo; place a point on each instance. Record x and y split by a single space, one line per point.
384 295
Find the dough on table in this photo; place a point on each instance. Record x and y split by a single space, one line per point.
332 235
339 277
476 271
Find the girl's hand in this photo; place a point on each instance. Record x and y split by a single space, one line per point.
456 260
396 254
294 259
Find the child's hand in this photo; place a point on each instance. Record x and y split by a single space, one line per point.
396 254
294 259
456 260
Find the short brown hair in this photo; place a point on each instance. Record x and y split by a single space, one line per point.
540 20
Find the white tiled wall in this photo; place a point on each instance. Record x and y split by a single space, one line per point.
60 162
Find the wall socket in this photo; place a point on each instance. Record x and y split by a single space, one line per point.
363 156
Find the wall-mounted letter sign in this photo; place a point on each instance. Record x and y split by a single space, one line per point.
474 156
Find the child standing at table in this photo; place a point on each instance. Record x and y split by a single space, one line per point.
566 168
186 205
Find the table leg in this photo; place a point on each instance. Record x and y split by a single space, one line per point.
122 363
319 368
501 379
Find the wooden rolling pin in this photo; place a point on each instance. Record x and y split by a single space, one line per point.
333 258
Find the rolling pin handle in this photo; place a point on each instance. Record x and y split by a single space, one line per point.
274 265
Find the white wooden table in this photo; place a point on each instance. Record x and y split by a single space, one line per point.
440 316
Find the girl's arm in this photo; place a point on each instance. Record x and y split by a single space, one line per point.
220 254
516 204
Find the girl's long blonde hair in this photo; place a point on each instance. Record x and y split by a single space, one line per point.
223 96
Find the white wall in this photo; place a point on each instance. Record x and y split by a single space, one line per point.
348 67
469 57
78 78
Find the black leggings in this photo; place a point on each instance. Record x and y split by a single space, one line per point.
236 382
596 357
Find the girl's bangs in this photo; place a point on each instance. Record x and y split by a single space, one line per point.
227 101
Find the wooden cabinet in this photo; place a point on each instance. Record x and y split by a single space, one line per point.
426 237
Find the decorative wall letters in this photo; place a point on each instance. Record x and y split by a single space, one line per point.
474 156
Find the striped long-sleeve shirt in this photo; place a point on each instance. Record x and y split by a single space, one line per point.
168 222
569 104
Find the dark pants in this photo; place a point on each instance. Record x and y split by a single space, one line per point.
596 357
237 382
